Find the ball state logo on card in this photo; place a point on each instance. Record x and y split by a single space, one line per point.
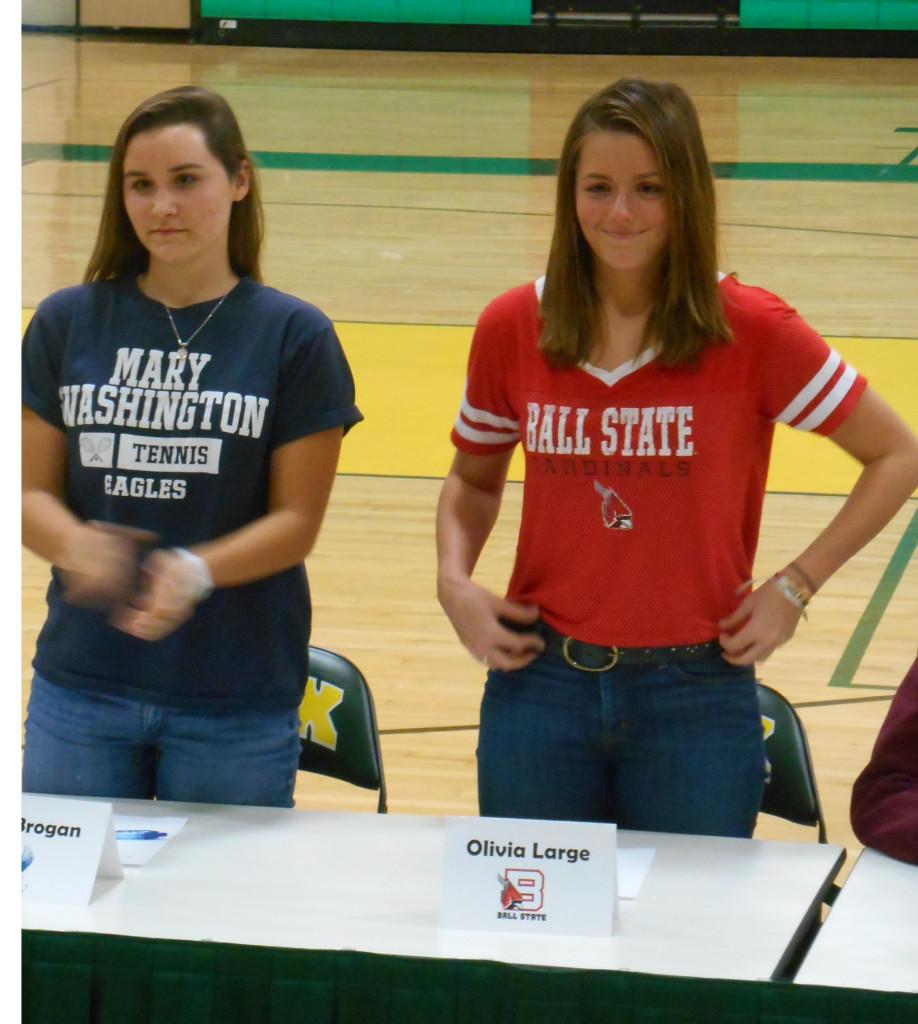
522 895
522 890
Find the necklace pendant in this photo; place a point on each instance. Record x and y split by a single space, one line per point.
183 345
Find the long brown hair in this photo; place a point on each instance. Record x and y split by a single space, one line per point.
118 250
687 314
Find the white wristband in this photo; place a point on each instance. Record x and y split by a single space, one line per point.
796 595
200 580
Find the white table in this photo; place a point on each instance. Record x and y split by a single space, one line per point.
724 908
870 938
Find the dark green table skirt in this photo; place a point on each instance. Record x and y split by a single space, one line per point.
108 979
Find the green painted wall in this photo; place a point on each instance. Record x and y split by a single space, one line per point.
233 8
774 13
898 14
843 13
838 14
812 14
316 10
448 11
473 12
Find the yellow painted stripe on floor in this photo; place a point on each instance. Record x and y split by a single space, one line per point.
409 386
802 463
410 380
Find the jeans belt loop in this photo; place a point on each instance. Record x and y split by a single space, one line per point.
572 661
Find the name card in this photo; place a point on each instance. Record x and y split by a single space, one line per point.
66 845
536 877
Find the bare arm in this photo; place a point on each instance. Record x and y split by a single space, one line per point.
45 518
97 561
875 436
468 508
301 476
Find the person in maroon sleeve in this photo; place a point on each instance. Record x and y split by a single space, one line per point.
884 801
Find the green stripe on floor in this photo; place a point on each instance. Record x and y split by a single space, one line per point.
497 165
860 639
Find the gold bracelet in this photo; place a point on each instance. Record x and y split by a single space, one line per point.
797 595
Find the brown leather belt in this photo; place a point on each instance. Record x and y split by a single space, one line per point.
596 658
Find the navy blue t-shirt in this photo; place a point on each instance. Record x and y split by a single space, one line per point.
183 448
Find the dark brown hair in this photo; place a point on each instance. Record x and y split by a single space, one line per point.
687 314
118 250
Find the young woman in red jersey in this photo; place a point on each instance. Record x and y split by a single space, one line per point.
644 387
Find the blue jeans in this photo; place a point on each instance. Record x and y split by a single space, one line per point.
80 743
668 748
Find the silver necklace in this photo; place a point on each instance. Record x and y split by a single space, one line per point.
183 345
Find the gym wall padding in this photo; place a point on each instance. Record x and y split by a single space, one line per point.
829 14
459 12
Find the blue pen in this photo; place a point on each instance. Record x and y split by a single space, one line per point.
139 833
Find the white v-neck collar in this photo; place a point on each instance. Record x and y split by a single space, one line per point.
610 377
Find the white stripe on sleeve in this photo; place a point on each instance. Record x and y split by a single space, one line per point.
485 436
487 418
831 402
811 390
506 431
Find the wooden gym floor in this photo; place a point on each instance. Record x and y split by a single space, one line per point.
403 191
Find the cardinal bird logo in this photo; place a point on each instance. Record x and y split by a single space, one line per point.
510 898
615 513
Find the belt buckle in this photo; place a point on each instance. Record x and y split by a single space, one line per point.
565 650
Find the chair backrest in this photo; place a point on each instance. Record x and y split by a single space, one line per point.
338 732
790 790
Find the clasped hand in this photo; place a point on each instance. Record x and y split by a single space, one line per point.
99 569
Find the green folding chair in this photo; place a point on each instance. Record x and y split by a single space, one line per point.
790 787
791 793
338 733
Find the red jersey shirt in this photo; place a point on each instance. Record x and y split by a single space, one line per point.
644 485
